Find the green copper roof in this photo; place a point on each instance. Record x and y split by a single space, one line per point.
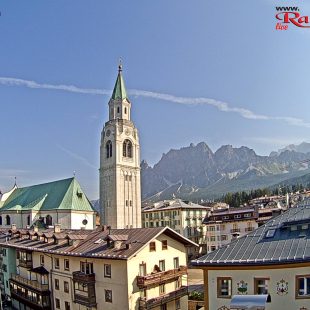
62 195
119 91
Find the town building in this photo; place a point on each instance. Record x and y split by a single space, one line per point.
134 269
60 202
224 225
120 188
185 217
273 260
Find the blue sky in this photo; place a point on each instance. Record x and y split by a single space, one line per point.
252 81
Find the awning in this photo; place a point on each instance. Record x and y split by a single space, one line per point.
248 302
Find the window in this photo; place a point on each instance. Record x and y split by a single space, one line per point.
3 251
163 307
66 287
118 109
247 215
42 259
8 220
127 148
223 237
303 286
237 216
108 148
66 264
164 245
49 220
107 270
56 284
212 228
67 305
176 263
108 295
152 246
177 304
142 269
212 238
226 217
162 265
87 268
0 220
56 260
125 110
28 220
261 286
57 303
177 284
162 289
224 287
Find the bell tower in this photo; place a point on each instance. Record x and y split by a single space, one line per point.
120 188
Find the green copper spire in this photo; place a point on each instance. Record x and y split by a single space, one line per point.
119 91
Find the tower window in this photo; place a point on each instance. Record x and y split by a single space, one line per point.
8 220
109 149
127 148
117 109
125 110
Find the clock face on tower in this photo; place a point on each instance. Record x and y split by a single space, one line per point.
127 132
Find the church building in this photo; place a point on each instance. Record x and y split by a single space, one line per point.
120 188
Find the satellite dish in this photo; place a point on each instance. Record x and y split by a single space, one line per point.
84 222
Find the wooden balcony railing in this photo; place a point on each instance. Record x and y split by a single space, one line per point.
85 300
79 276
160 277
145 304
30 283
25 263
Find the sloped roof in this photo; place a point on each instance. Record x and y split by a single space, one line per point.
119 91
62 195
283 239
138 238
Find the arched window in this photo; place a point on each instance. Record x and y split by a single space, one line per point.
0 220
117 109
127 148
8 220
125 110
49 220
28 220
109 149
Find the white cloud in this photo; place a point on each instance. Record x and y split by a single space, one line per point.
220 105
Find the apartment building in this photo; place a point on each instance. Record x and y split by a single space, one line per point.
185 217
265 269
224 225
94 269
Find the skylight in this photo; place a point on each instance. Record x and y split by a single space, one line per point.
270 233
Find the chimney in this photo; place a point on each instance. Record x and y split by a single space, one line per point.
13 227
57 228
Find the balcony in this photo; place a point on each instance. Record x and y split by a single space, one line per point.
29 283
235 230
85 300
160 277
25 263
79 276
39 303
248 229
145 304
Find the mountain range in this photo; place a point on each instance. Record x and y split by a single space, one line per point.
196 172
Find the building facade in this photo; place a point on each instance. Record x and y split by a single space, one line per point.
134 269
60 202
120 188
224 225
185 217
273 260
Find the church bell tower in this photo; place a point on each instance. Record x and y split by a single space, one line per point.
120 188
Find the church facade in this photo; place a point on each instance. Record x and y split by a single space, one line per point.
120 185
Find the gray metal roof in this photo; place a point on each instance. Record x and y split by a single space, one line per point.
283 239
